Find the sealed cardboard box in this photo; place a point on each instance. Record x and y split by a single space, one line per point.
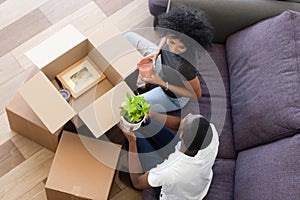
83 168
65 54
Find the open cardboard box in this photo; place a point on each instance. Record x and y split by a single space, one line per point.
98 108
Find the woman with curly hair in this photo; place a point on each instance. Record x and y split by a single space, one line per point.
173 58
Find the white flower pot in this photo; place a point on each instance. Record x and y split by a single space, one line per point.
127 124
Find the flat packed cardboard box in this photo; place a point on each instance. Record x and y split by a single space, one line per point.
98 107
83 168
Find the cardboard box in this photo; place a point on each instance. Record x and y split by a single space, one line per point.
40 112
98 108
83 168
23 120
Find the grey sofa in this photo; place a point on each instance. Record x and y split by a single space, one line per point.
257 52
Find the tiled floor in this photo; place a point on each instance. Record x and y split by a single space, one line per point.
24 165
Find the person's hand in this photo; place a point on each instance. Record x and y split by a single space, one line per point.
127 133
151 113
154 79
151 57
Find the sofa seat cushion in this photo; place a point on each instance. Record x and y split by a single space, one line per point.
264 69
215 60
269 171
222 184
226 147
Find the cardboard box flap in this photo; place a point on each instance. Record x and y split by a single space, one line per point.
46 102
104 113
126 64
55 46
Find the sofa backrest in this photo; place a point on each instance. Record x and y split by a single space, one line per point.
229 16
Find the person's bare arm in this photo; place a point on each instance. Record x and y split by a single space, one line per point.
169 121
192 88
138 178
153 56
161 44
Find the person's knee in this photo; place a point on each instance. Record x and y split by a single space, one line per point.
159 108
131 36
128 34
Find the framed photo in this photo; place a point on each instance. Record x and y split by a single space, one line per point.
80 77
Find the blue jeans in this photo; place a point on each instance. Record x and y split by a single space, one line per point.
162 103
155 143
159 101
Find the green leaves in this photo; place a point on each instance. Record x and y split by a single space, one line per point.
134 108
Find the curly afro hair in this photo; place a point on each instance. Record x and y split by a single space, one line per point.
188 21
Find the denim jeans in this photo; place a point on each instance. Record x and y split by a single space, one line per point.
155 143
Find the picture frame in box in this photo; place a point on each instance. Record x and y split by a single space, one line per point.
81 76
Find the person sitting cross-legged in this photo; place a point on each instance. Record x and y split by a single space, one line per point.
186 34
176 166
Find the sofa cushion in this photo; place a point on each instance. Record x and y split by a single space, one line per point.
226 147
264 67
222 184
204 104
269 171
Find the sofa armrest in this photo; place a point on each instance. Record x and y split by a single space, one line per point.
156 7
229 16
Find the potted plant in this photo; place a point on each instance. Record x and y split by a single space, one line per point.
133 111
